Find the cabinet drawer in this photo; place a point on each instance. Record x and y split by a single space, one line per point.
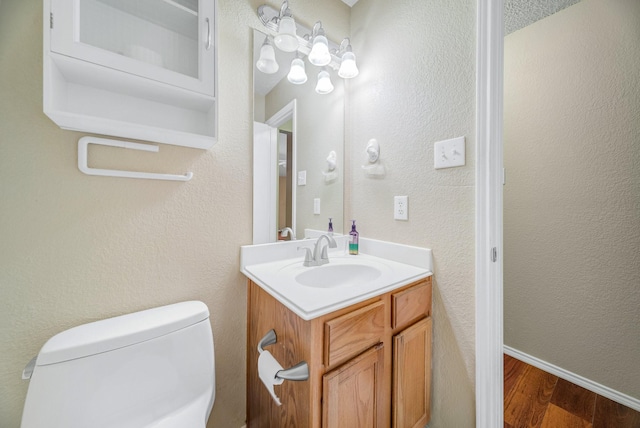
352 333
411 304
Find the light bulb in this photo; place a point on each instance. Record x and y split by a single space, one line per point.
286 40
319 54
267 62
348 68
297 74
324 85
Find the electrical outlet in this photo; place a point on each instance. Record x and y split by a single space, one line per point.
401 208
316 205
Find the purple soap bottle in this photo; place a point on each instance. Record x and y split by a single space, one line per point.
353 239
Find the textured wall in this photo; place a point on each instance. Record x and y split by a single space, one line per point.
76 248
417 86
572 199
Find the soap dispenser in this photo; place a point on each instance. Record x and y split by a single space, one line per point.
330 227
353 239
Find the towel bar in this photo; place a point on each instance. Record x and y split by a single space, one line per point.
83 150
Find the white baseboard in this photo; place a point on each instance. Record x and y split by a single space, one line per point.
592 386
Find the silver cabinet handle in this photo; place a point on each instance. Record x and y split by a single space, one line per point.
298 372
208 42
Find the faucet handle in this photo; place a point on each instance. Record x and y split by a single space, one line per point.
308 257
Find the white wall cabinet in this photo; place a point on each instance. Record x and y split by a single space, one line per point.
143 69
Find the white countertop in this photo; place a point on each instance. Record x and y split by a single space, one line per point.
274 266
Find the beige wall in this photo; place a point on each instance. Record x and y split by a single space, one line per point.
77 248
572 198
417 86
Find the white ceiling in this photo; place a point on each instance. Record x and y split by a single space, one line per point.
520 13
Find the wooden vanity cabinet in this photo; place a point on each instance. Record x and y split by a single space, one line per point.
369 363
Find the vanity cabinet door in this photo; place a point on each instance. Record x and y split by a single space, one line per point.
352 393
412 376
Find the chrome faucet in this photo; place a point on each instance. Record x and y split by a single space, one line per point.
285 231
320 255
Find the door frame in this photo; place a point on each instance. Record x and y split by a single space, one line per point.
286 113
489 244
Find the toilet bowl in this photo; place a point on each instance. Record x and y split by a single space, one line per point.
153 368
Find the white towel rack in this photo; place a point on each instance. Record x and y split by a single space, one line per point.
83 150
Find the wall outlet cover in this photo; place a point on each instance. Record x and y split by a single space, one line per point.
401 208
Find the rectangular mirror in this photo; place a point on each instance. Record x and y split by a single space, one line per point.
298 151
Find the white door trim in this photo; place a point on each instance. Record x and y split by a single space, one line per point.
489 322
290 111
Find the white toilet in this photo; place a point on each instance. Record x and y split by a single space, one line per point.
153 368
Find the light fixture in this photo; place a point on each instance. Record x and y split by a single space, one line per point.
267 62
319 54
287 39
281 26
297 74
348 68
324 85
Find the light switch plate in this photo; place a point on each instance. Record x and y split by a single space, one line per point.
302 178
316 205
449 153
401 208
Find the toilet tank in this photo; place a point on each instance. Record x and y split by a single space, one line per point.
153 368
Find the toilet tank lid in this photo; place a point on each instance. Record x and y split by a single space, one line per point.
118 332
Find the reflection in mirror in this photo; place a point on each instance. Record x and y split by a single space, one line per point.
295 131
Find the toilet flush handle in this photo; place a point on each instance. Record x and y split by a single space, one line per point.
28 370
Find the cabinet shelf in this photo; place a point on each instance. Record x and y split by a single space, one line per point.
179 16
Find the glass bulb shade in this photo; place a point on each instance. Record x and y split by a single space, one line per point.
286 39
324 85
267 62
348 68
319 54
297 74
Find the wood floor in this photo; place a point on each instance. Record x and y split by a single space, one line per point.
534 398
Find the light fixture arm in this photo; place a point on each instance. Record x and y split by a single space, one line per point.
284 10
345 46
316 30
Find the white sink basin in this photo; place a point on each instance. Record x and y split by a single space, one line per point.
314 291
338 275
